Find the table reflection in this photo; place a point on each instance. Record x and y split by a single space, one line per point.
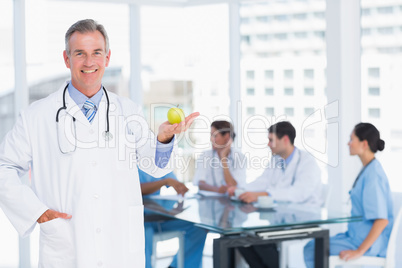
225 215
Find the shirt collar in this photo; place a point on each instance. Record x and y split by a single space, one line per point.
79 98
287 160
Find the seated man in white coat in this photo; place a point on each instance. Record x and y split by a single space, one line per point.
291 176
82 144
222 166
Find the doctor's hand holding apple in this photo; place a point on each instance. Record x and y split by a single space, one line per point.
177 123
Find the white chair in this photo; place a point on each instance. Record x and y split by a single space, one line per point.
325 194
389 260
162 236
294 248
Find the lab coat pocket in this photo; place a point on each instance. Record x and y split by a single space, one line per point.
49 227
56 242
127 157
136 228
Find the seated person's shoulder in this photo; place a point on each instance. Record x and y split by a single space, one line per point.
204 154
237 152
306 156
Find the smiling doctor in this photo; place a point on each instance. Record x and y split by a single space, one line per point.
82 145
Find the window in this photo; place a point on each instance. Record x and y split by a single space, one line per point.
296 42
281 18
9 238
319 34
288 74
385 30
245 20
309 133
250 91
374 91
269 111
245 39
381 71
308 111
374 72
389 50
289 111
366 31
250 111
300 16
309 91
281 36
263 19
250 75
164 25
366 12
309 73
269 91
262 55
385 10
214 91
396 134
374 112
301 35
269 74
263 37
288 91
319 15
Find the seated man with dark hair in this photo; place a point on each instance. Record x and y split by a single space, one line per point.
291 176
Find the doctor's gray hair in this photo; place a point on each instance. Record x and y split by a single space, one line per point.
85 26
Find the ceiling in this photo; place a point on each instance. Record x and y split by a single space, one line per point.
176 3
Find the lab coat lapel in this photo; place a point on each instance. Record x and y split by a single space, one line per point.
290 170
75 111
71 107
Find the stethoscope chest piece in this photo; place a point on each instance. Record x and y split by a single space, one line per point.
107 135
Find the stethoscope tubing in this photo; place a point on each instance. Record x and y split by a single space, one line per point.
106 134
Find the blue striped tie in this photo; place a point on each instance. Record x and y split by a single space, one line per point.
89 110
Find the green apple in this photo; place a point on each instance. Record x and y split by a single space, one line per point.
175 115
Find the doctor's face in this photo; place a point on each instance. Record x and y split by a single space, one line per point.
276 145
87 61
356 147
218 140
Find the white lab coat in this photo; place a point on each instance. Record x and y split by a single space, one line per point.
299 182
208 168
97 184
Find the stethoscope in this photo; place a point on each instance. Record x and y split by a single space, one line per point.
296 167
106 134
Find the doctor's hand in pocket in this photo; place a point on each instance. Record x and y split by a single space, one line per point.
49 215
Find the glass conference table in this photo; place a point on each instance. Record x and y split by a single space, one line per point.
243 224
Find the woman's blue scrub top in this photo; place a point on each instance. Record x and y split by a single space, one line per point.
371 198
